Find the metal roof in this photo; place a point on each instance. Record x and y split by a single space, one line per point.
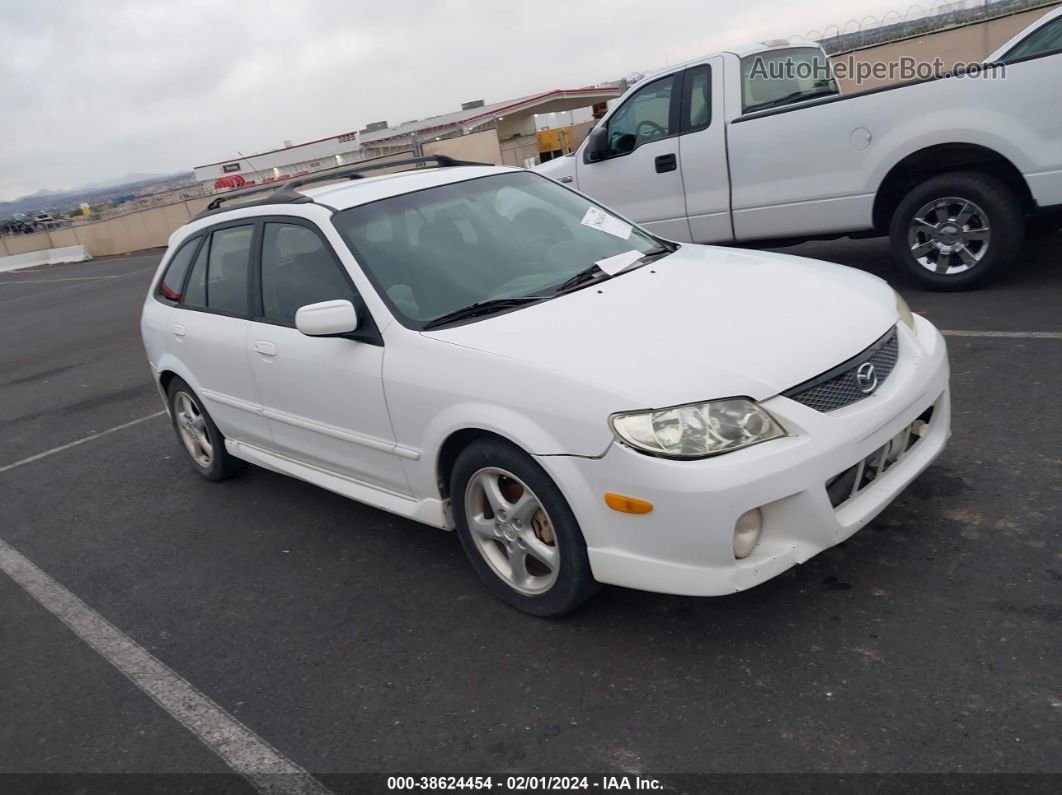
474 117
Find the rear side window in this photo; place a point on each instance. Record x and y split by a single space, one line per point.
195 290
697 99
298 268
173 280
219 276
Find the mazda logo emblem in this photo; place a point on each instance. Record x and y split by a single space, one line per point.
866 378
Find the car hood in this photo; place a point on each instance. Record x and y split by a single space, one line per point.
702 323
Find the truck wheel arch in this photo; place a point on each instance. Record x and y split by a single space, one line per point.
941 159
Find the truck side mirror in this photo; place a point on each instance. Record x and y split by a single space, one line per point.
596 145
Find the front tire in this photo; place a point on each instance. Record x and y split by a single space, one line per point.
518 531
957 231
198 435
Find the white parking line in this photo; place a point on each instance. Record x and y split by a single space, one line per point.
1032 335
49 281
88 438
245 752
81 283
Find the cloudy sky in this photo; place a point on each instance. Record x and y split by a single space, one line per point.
95 90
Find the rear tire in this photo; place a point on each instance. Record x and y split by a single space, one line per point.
518 531
957 231
197 434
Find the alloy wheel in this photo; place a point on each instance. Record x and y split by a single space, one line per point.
191 425
512 530
949 235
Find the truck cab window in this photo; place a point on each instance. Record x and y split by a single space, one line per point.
781 77
1039 42
697 99
642 118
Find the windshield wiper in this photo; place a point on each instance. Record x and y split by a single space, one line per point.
588 275
479 309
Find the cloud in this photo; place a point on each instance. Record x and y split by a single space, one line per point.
97 90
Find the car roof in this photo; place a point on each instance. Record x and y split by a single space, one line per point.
340 195
351 193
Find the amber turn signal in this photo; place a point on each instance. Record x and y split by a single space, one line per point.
618 502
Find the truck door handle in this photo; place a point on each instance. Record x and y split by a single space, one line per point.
179 330
565 179
666 163
265 348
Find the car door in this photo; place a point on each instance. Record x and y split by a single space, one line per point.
640 176
210 326
323 396
702 153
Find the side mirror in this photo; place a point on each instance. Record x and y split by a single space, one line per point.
596 145
327 319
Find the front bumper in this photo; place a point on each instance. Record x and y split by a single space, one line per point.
685 544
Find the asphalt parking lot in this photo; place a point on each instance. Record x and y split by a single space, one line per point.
352 641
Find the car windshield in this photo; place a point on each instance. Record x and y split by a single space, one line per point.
780 77
502 237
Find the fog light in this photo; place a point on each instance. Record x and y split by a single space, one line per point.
747 533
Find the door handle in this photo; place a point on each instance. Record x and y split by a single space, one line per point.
265 348
179 330
666 163
565 179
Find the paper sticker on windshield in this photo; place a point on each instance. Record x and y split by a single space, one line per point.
599 219
613 265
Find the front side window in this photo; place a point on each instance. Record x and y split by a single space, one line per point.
298 268
173 279
1039 42
780 77
644 117
510 236
219 275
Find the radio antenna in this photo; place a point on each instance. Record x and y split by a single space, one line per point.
254 168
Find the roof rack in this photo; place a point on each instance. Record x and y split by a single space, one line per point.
288 193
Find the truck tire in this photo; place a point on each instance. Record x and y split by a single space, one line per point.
957 231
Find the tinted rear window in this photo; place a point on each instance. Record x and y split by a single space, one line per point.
170 286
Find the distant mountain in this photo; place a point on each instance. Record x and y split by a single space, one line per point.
96 191
128 179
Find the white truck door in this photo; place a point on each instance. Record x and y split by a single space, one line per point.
702 153
639 176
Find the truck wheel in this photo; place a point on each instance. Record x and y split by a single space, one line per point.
957 231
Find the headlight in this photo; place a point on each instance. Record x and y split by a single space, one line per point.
906 316
697 430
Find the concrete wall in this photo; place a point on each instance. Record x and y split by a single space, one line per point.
966 44
482 147
517 151
149 228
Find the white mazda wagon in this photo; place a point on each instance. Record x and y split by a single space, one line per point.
482 349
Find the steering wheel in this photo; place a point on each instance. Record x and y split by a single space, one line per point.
655 130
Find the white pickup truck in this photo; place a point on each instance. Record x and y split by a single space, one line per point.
724 149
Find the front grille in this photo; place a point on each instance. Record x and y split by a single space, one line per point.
853 480
840 386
